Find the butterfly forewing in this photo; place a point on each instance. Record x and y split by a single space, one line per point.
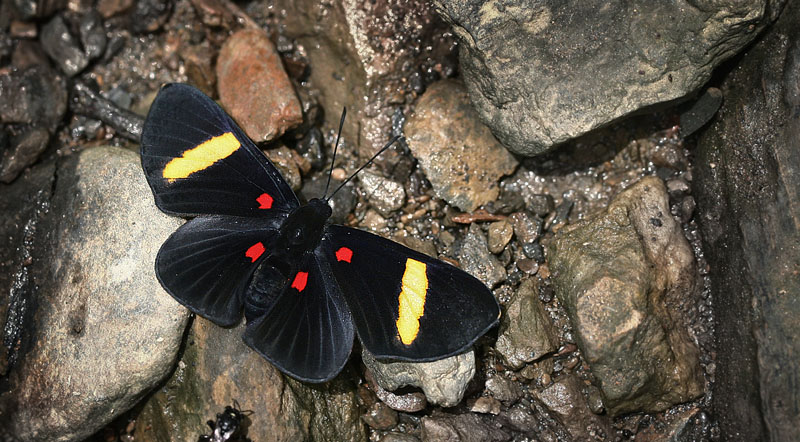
406 305
307 332
207 263
198 161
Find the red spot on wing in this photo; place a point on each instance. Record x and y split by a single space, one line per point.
300 281
264 201
255 251
344 254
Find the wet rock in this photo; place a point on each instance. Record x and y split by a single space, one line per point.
623 278
410 402
458 153
105 332
398 437
503 389
443 381
33 95
461 427
217 368
683 426
380 417
500 233
28 53
85 101
310 146
363 56
383 195
24 150
149 15
747 185
541 76
92 34
23 204
541 204
486 405
565 400
283 159
254 88
526 333
475 258
526 227
62 47
29 9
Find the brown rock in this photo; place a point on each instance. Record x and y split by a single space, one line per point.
457 152
254 88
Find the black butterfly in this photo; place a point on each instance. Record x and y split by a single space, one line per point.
306 286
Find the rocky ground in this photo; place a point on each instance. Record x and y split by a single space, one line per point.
593 248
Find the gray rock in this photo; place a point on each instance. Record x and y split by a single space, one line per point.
443 381
459 155
383 195
747 185
503 389
565 399
624 278
461 427
25 150
104 332
33 95
526 333
475 258
217 368
62 47
540 74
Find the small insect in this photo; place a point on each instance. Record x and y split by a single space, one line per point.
226 427
306 286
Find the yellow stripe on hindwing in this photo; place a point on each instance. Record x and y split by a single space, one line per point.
201 157
412 300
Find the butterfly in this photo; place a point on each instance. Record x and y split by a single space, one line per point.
306 287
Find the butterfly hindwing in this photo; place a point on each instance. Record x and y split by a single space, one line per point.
206 264
198 161
406 305
306 331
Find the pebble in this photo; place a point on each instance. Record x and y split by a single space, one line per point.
380 417
499 234
33 95
92 35
62 47
486 405
310 146
254 88
283 159
541 204
25 149
475 258
383 195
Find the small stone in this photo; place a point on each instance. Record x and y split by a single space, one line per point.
254 88
61 46
527 227
528 266
526 333
475 258
503 389
468 427
22 29
541 205
149 15
486 405
283 159
500 233
198 61
444 381
33 95
110 8
380 417
311 148
398 437
92 34
374 221
24 151
383 195
458 153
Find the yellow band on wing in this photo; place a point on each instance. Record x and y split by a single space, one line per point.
201 157
412 300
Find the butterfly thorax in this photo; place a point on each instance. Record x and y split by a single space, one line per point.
298 235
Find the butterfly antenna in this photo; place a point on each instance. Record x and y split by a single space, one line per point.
335 148
388 145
